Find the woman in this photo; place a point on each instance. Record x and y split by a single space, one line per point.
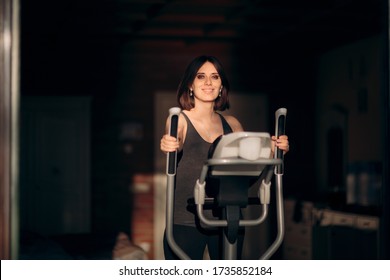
202 92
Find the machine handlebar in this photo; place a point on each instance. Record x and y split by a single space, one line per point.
280 127
173 127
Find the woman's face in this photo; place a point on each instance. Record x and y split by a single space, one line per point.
207 83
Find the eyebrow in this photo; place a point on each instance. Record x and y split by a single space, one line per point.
215 73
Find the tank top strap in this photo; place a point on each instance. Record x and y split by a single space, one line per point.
191 130
226 127
186 117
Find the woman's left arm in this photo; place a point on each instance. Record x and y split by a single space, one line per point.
281 142
234 123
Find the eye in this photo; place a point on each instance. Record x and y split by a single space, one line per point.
215 77
200 76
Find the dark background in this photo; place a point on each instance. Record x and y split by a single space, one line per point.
121 52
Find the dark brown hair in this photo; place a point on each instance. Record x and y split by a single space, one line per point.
184 99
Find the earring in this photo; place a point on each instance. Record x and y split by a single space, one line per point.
191 93
220 92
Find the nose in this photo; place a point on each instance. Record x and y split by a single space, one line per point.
208 81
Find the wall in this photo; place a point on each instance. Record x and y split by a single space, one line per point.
349 97
122 78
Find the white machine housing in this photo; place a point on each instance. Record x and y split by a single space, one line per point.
253 148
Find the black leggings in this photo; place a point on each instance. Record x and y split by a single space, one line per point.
193 240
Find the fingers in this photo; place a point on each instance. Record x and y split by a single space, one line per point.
168 143
281 142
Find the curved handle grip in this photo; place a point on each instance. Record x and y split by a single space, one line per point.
280 129
173 125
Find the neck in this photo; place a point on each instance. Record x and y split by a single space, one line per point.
205 112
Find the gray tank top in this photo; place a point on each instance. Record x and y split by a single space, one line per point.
190 162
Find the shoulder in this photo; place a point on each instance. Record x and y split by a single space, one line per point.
183 118
182 123
234 123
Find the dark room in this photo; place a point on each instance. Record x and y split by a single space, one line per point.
85 92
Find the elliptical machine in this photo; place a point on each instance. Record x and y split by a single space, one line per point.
235 159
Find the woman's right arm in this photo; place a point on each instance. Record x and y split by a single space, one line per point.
169 143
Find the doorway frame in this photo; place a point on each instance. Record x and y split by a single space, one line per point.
9 128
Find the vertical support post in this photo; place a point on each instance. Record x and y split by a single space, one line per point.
280 116
171 174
